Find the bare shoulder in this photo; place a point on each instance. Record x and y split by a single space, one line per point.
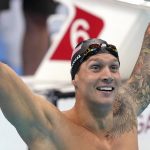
128 140
50 112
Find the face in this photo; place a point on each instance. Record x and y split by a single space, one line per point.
98 79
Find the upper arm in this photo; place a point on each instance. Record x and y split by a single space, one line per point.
23 108
137 88
139 82
134 95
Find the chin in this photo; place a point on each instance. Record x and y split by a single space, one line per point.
108 101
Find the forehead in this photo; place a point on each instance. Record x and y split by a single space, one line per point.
102 57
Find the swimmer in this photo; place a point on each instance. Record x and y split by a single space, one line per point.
105 112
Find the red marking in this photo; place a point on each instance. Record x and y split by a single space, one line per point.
64 49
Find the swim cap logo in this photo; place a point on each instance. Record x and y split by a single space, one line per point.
76 49
76 59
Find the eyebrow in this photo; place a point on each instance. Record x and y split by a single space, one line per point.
114 60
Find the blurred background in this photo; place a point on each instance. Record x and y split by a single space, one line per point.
26 31
37 38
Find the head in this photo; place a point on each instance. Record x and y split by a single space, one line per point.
88 48
95 69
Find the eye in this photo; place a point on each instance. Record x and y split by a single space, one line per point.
96 67
114 67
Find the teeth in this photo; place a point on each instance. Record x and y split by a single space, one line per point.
105 88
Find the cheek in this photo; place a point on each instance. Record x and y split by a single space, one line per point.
79 81
82 83
84 79
118 78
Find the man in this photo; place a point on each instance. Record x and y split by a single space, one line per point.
104 115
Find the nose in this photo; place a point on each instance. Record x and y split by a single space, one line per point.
107 80
106 76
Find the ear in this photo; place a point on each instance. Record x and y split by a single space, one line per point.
74 81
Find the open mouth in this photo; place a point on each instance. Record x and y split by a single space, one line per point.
105 88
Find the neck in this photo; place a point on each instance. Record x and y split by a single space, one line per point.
95 117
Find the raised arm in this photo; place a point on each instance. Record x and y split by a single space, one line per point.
139 84
24 109
133 96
